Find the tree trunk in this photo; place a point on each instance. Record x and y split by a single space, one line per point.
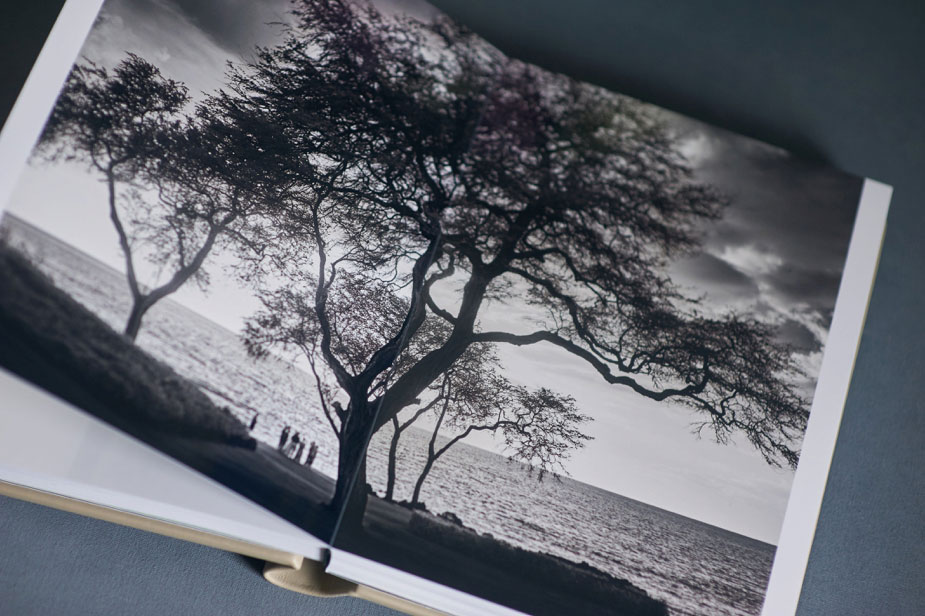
432 453
393 451
409 385
415 498
350 495
139 307
143 302
352 507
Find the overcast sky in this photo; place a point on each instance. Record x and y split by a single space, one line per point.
777 253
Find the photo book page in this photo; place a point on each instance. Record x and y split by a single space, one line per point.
508 342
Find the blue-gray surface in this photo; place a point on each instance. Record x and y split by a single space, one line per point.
838 81
58 563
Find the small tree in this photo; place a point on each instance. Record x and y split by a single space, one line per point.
176 182
538 427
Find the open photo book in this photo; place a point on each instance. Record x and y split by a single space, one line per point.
340 285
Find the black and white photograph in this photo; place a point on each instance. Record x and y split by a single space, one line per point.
468 318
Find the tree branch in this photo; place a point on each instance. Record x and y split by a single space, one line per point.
344 378
386 354
602 368
123 236
321 398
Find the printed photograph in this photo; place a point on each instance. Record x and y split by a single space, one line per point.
463 316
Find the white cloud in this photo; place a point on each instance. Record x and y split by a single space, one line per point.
750 259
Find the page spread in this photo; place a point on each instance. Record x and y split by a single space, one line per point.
505 342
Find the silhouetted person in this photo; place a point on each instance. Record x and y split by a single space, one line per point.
312 452
283 437
298 451
292 446
253 422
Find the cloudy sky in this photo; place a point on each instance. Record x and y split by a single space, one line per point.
777 254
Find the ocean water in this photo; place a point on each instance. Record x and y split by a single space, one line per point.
697 569
191 344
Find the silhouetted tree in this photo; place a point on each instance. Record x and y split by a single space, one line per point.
176 182
538 427
428 160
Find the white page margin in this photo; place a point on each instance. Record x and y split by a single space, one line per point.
37 98
808 487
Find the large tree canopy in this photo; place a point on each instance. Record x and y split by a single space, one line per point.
424 159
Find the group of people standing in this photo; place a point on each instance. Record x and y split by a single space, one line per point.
294 447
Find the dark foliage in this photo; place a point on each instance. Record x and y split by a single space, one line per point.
179 184
425 158
375 162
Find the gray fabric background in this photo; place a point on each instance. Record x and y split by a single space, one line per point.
60 564
838 81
